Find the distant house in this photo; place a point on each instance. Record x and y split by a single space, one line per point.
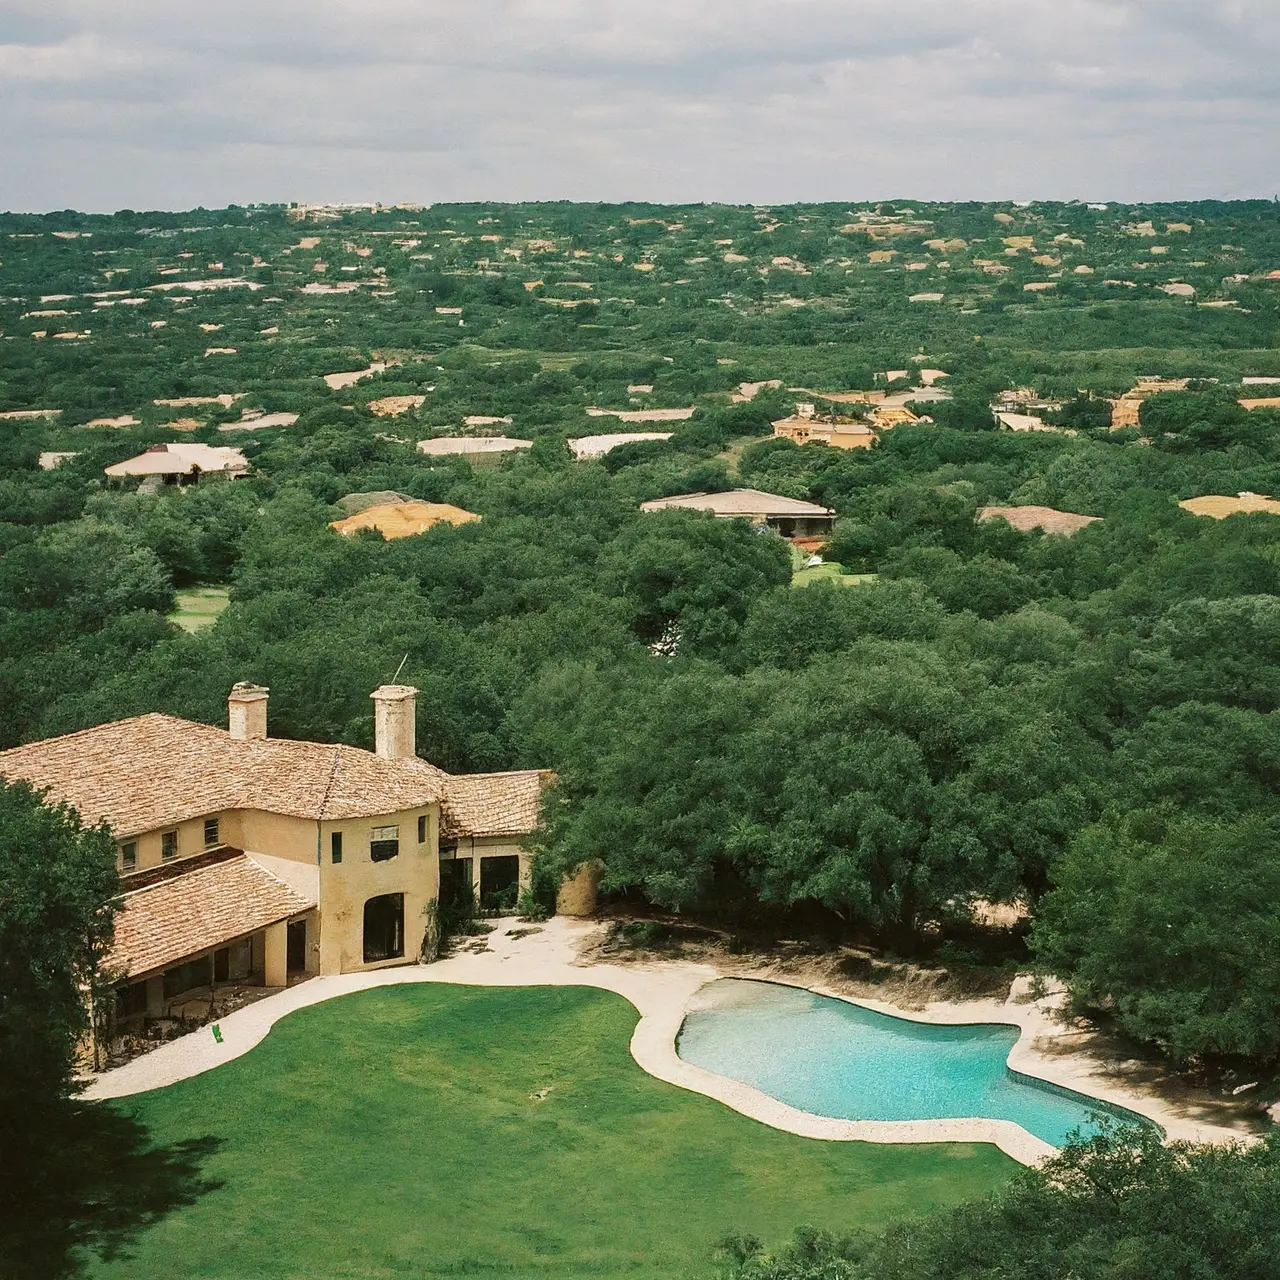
1046 519
1022 422
182 463
807 427
597 446
450 446
790 517
403 519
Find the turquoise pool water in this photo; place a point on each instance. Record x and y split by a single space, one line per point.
832 1058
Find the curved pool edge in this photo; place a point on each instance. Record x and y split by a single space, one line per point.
660 993
654 1047
1066 1075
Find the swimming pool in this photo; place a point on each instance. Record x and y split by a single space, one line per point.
832 1058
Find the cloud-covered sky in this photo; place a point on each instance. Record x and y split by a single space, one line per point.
108 104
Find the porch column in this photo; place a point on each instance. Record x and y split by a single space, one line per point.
155 996
276 958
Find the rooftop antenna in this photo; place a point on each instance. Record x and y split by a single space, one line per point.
400 668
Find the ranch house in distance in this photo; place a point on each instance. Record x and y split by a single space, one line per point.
256 860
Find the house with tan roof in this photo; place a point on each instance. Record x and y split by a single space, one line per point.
790 517
256 860
181 463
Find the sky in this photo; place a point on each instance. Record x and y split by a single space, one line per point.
168 104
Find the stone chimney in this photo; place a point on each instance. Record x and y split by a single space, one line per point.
247 711
393 716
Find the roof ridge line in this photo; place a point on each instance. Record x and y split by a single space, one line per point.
328 786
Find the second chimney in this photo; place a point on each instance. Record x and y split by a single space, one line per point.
394 708
247 711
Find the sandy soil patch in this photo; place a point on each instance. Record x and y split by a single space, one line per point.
917 266
394 406
926 297
1047 519
639 388
1178 226
1218 506
404 519
1046 260
946 246
1141 229
1020 242
275 328
747 391
1003 217
1082 270
929 376
184 424
1266 402
211 328
124 420
1159 249
1124 284
1256 380
336 381
736 257
13 414
643 415
184 402
256 420
448 311
484 420
347 286
53 459
1177 290
642 266
56 297
531 285
882 255
219 351
307 242
69 335
1038 286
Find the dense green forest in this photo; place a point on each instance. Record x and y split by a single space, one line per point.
1087 725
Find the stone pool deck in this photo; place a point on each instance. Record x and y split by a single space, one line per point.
661 992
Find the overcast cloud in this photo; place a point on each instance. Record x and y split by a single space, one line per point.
107 104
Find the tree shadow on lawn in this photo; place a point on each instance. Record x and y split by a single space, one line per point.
85 1180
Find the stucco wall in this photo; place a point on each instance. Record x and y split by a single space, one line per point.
190 841
345 887
257 832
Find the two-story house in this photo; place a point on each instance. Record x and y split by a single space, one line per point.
249 858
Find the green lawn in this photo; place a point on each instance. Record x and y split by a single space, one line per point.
829 571
199 607
395 1133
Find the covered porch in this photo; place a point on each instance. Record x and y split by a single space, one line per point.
193 943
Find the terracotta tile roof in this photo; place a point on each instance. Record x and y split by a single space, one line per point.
493 804
189 914
153 771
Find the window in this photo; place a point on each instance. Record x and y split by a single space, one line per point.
210 832
335 846
384 843
422 829
131 1000
384 928
168 844
129 855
